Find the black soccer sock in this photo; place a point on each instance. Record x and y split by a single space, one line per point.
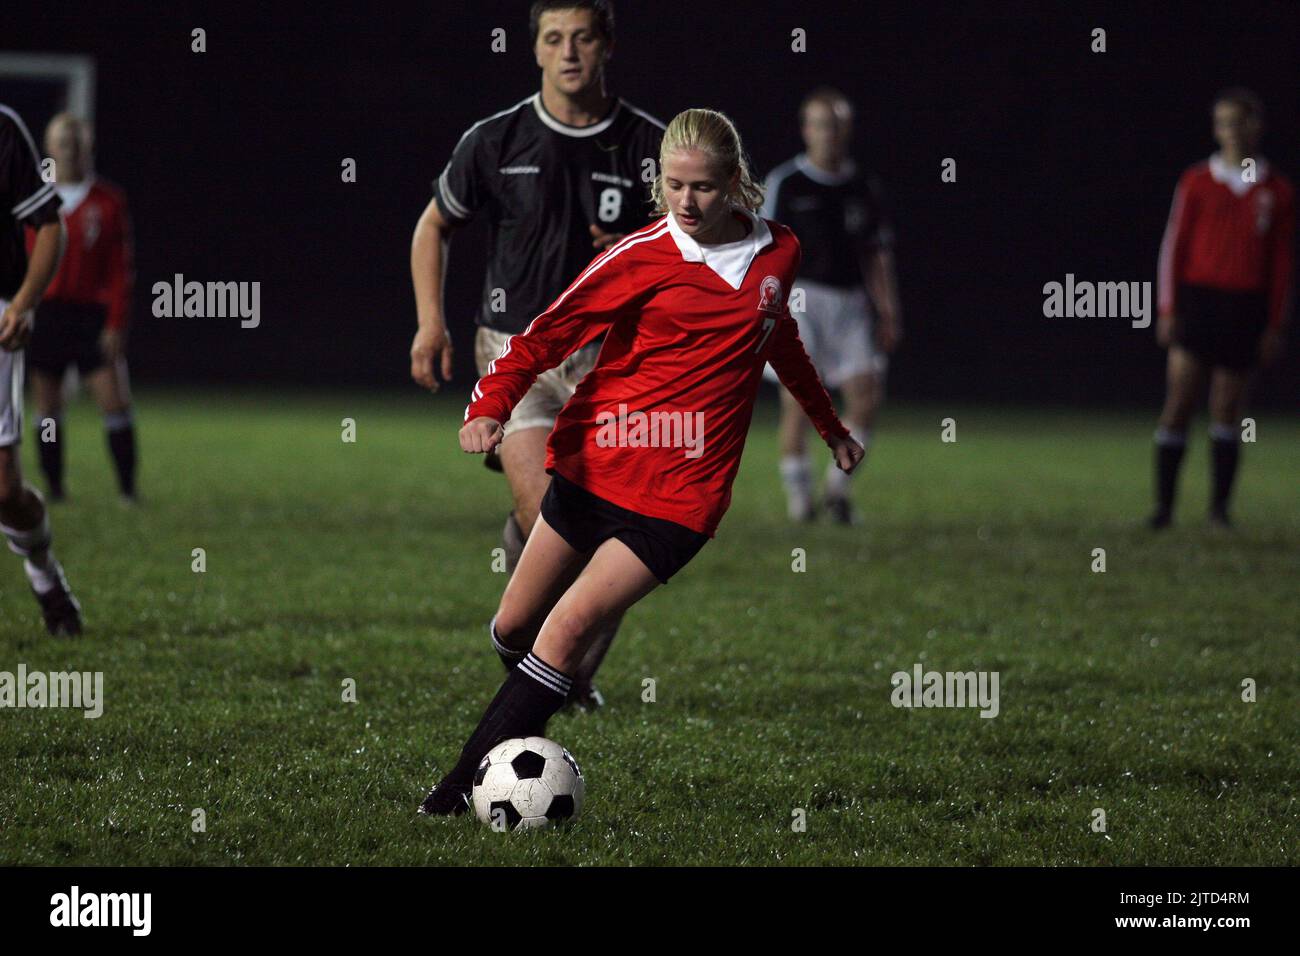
120 428
1170 447
509 656
532 692
49 452
1225 453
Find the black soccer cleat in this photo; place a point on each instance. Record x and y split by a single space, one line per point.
60 609
1160 520
1219 518
445 801
585 698
841 511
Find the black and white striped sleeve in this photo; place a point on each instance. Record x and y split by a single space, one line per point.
25 195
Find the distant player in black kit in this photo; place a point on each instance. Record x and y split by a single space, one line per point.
84 316
560 175
1226 275
25 198
838 211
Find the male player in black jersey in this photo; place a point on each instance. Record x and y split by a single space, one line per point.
26 199
838 212
561 175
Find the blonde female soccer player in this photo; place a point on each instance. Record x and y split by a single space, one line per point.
643 455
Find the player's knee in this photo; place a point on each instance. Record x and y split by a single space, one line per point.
513 631
572 626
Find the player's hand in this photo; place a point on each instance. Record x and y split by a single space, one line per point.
1270 346
1164 330
481 435
888 334
112 345
15 329
431 349
848 453
603 240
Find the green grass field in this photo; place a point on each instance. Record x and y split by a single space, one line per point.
326 561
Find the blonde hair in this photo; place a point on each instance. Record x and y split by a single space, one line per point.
713 134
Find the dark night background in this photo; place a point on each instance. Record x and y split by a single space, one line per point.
1066 162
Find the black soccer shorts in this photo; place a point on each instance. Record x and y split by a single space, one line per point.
66 333
586 521
1221 328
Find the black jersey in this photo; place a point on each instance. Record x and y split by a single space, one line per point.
542 184
24 198
834 215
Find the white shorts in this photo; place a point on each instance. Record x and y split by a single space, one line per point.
541 404
11 393
835 328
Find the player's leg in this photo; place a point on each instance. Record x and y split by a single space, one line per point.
857 369
24 521
861 399
110 386
548 565
1228 389
613 580
796 464
47 394
1184 381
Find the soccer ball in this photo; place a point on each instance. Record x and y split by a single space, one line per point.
527 782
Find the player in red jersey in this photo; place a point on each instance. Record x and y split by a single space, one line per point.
642 457
83 317
1226 267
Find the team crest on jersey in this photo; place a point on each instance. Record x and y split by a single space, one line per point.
770 298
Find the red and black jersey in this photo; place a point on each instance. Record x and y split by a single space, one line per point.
25 199
1231 235
97 264
688 329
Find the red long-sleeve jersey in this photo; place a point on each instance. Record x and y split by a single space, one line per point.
1230 235
658 426
97 266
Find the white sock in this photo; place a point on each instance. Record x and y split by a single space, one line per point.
796 476
47 578
837 482
33 545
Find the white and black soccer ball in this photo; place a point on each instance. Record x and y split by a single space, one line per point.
527 782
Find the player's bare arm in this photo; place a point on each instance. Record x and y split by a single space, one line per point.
882 286
431 348
16 323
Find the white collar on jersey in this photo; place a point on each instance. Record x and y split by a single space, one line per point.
1221 172
730 260
568 130
73 194
819 175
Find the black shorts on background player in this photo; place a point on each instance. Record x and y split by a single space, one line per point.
1221 328
586 521
67 334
